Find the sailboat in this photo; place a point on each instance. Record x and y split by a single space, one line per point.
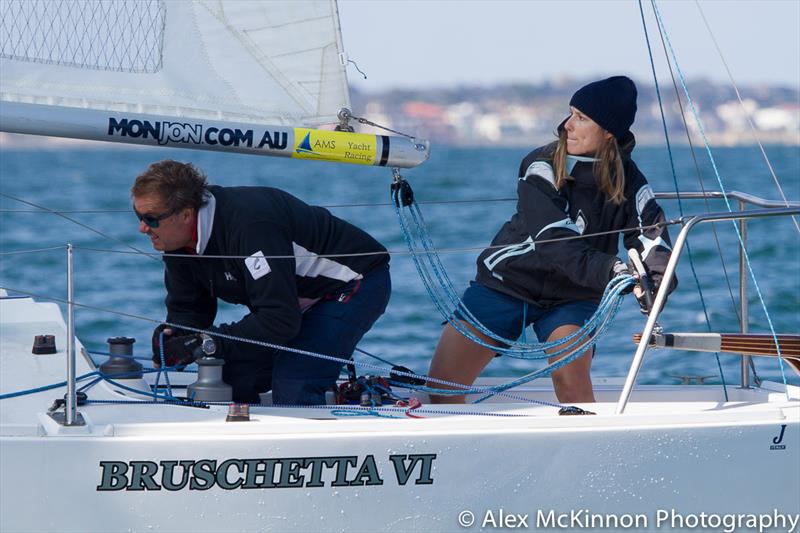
264 78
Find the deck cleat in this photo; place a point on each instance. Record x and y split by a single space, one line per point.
572 410
44 344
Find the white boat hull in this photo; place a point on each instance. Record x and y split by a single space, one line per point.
678 451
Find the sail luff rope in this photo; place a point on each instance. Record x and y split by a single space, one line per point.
722 186
753 128
677 188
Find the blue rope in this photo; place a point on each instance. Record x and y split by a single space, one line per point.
163 365
677 190
175 401
107 354
442 292
696 116
90 384
154 393
347 410
450 292
25 392
369 412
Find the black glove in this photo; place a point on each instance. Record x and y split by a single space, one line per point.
621 269
175 332
179 351
647 296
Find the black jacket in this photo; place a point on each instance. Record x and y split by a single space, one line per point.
254 222
549 274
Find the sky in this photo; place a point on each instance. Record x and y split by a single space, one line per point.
445 43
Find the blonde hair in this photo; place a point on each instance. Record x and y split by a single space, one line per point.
609 172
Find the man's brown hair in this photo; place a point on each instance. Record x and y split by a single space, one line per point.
179 185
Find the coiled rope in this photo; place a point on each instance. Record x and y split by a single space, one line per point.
443 294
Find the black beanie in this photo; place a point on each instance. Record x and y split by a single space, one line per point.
611 103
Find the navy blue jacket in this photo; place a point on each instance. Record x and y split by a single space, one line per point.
259 223
549 274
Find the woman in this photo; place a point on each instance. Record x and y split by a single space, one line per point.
585 183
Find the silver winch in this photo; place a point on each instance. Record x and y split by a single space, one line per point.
209 386
120 364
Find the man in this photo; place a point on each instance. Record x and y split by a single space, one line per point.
311 281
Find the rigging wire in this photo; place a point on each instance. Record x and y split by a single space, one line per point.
677 189
37 250
81 224
701 182
326 206
753 129
672 222
724 192
705 200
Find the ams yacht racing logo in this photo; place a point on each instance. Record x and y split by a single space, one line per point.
344 147
164 132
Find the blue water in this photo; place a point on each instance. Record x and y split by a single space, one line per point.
99 178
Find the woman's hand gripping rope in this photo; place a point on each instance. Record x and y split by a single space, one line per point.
643 288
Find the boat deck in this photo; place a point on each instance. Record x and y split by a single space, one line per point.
532 408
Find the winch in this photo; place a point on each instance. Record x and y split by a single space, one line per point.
209 386
121 364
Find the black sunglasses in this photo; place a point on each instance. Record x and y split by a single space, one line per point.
152 221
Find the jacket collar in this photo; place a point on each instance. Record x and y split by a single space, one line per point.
205 221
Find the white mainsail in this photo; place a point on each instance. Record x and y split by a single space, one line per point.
243 61
236 75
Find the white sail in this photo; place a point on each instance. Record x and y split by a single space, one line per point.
242 61
245 76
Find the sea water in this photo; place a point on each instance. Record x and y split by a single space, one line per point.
122 288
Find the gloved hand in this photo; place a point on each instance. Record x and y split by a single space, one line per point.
621 269
656 278
644 296
179 351
168 331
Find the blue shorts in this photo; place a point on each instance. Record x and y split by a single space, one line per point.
507 317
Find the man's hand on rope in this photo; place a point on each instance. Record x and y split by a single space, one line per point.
169 334
179 351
